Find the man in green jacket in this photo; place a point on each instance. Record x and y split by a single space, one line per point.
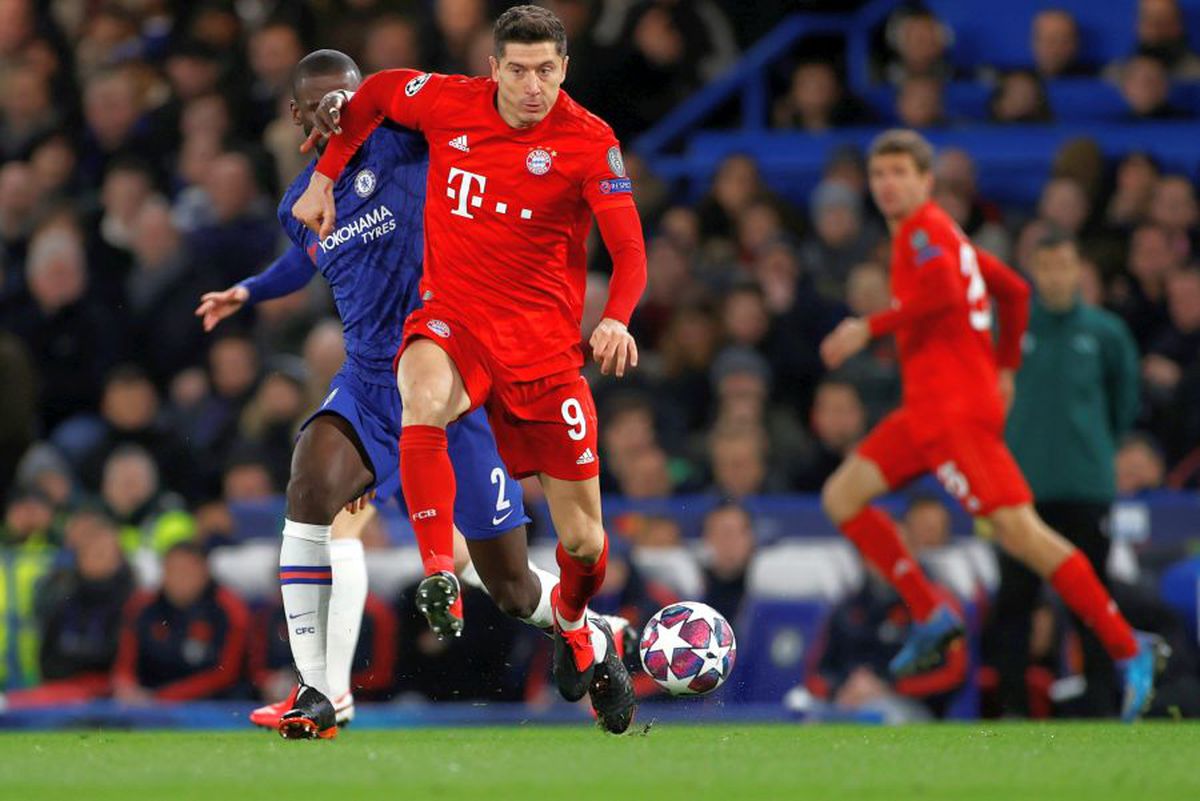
1076 395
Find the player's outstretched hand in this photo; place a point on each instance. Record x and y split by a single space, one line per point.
216 306
613 347
327 119
851 336
358 504
315 208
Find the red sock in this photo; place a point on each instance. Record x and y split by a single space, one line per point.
427 478
578 582
876 537
1076 582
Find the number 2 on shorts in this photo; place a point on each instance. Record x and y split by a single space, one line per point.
572 413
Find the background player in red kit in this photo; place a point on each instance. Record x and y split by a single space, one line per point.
956 390
517 171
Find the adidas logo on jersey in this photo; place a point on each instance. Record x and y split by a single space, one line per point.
587 457
460 143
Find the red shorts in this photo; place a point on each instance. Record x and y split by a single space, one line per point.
968 457
542 426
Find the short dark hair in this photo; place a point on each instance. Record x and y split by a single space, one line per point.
529 25
903 141
322 62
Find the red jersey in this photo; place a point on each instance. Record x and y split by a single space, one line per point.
507 210
942 318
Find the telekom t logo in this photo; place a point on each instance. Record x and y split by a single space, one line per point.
464 194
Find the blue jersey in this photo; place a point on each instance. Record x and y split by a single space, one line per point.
373 258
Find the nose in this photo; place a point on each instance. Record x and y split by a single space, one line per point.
532 86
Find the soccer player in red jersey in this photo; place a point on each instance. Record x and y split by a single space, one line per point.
957 386
517 170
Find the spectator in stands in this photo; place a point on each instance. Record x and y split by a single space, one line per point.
240 238
919 42
744 315
80 611
324 351
1160 27
391 43
1076 397
19 205
128 184
53 159
841 237
1140 298
919 102
729 545
1139 464
43 469
272 415
1020 96
1054 44
1173 206
873 371
112 110
130 414
233 365
1176 348
185 642
738 461
274 49
18 413
248 477
1065 206
161 290
1136 177
737 182
986 235
1145 84
27 110
687 348
26 554
148 516
817 101
669 278
73 341
954 170
838 422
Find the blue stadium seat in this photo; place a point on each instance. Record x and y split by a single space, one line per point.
774 637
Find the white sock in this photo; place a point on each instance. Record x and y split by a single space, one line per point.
306 580
346 604
543 615
470 577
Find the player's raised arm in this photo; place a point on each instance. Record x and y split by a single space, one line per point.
289 273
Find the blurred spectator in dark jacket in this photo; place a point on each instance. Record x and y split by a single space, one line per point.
817 101
1160 27
20 200
27 110
112 109
73 341
1054 45
128 184
1140 465
18 412
1136 175
392 42
1173 205
80 609
274 49
729 545
838 422
272 416
212 425
185 642
131 415
735 185
1172 353
738 459
239 238
874 372
1141 297
842 238
1020 96
920 103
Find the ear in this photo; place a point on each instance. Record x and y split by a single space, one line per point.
495 65
295 114
566 62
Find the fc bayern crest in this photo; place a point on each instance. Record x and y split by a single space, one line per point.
538 161
364 183
439 327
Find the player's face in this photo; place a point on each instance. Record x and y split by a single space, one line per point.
311 89
1058 275
528 77
897 185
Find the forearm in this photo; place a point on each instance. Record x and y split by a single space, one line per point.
621 230
362 114
1012 304
935 293
289 273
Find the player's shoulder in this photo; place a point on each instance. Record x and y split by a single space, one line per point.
575 116
926 232
464 88
398 141
293 192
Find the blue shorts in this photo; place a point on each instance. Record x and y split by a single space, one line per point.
488 502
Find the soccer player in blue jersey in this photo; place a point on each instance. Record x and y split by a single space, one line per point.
347 449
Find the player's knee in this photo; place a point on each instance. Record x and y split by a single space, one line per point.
310 498
587 545
838 504
425 406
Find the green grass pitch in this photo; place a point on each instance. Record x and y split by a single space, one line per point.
564 763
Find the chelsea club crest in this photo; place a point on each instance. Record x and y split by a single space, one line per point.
364 183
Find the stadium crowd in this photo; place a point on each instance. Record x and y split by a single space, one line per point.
142 148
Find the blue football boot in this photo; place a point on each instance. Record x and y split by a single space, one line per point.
927 642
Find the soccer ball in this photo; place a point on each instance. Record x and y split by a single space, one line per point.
688 648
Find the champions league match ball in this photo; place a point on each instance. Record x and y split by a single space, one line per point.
688 648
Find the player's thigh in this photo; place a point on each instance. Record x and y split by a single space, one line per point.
488 500
575 511
330 465
431 387
973 464
547 428
886 459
